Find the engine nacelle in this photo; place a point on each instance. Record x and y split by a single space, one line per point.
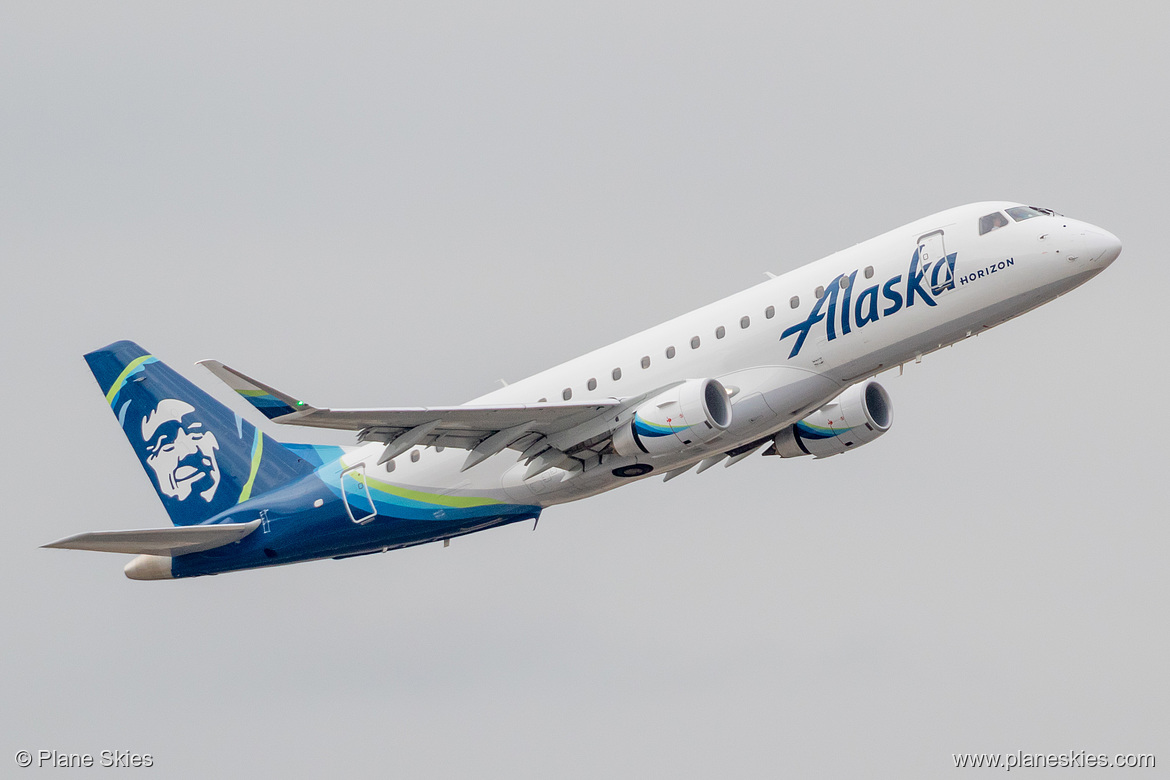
676 420
857 416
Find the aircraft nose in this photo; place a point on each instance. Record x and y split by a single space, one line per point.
1103 247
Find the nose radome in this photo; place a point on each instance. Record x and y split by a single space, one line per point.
1104 246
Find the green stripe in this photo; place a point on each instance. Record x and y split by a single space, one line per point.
257 452
121 380
457 502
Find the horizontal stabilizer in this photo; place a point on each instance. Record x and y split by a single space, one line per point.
269 401
159 541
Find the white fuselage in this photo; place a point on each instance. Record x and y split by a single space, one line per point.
741 341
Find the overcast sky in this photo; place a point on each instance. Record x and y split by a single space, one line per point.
400 204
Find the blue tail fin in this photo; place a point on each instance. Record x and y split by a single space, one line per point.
202 457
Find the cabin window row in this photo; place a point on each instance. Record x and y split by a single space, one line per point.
820 291
415 454
720 332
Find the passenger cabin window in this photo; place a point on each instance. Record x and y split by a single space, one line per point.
844 282
567 393
991 222
1020 213
591 384
414 456
869 272
695 343
770 312
645 361
794 302
820 293
617 374
669 352
744 322
720 332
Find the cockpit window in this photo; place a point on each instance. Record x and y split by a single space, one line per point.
1020 213
992 222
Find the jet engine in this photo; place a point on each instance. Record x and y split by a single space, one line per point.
677 419
857 416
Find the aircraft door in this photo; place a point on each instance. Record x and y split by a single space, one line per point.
935 263
358 503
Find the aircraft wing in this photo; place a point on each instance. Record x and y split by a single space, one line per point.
486 430
159 541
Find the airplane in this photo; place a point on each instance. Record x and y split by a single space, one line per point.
785 368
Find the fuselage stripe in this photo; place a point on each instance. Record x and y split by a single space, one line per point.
457 502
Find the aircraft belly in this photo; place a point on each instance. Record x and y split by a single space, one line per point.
953 330
768 398
765 397
803 389
309 520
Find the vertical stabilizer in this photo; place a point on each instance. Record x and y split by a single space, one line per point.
201 457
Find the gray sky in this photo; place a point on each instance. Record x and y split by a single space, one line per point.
373 205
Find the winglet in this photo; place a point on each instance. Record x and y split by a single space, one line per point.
269 401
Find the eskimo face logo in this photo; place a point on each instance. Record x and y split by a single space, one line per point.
181 451
842 311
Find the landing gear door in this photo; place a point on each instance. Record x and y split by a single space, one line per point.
358 503
936 264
